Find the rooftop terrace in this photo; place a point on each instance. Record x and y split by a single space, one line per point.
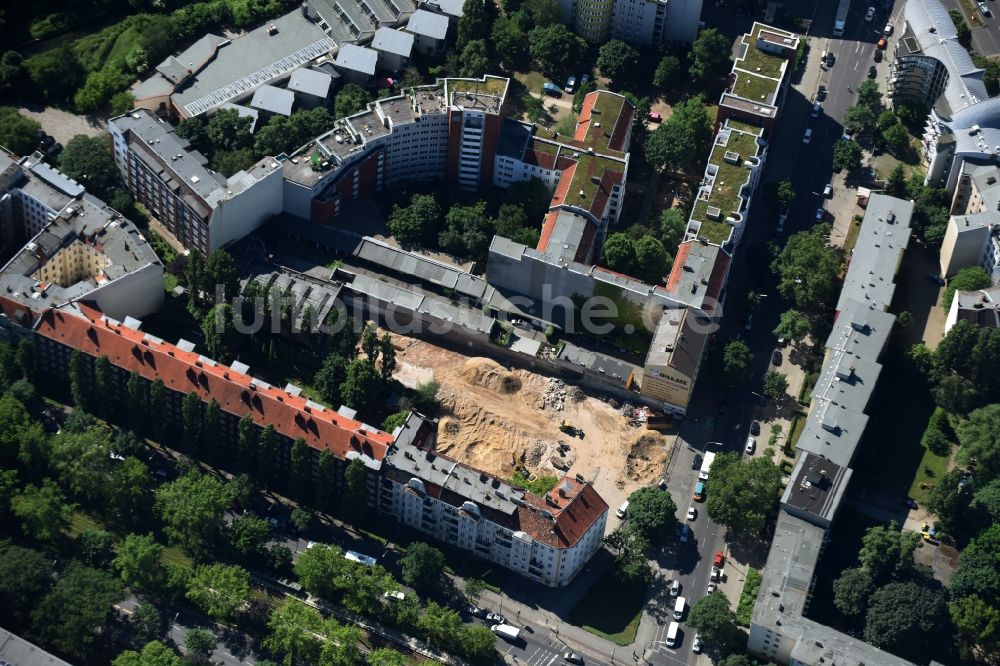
723 192
757 60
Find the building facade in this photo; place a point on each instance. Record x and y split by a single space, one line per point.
639 22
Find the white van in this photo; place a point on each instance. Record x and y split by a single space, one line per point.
672 634
679 608
622 510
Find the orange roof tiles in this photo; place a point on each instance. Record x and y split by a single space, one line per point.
182 371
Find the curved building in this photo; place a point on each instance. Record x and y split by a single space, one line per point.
930 67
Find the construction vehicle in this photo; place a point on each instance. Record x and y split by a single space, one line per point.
570 429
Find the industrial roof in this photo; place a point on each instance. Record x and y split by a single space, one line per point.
357 58
428 24
389 40
273 100
453 8
310 81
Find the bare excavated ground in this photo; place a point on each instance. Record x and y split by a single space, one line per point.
502 421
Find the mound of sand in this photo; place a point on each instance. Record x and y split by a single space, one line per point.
490 375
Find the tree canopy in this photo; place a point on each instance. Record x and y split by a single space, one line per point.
736 359
847 155
792 325
680 142
18 133
617 60
87 160
422 566
220 590
714 619
969 278
79 603
808 269
556 48
905 617
709 55
652 513
192 508
744 494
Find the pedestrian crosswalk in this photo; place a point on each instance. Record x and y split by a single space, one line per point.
545 655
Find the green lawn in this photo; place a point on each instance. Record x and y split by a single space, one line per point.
932 467
611 608
531 80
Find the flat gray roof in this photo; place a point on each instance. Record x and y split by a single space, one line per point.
393 41
860 330
15 651
450 7
847 380
428 24
310 81
274 100
252 60
57 179
357 58
816 487
615 369
884 234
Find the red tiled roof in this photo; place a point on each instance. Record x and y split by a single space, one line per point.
559 196
575 512
183 371
603 141
678 269
547 227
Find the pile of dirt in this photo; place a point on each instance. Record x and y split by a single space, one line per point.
491 375
646 458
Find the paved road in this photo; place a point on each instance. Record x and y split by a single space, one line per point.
985 38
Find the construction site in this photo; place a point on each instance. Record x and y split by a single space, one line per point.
507 421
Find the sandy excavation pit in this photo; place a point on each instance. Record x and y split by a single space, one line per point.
502 420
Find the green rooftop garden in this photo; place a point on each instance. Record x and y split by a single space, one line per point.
744 127
755 88
729 180
588 166
492 86
769 64
606 110
544 147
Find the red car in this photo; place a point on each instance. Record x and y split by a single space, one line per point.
719 560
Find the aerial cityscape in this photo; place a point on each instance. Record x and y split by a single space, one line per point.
526 332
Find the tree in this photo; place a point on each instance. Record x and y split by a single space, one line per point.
979 439
628 547
476 23
200 643
709 55
673 225
422 566
294 630
439 624
362 385
228 162
936 435
43 511
744 494
87 160
473 588
11 72
897 137
869 95
792 325
154 653
978 571
219 331
193 129
25 575
55 73
555 48
301 460
227 130
531 195
388 365
369 342
651 513
220 271
861 119
475 59
79 380
970 278
267 454
736 659
652 260
617 60
317 569
779 195
904 617
468 230
895 185
139 562
417 223
191 509
220 590
619 253
852 589
886 551
82 462
191 421
389 657
94 547
714 620
356 490
18 133
736 359
977 623
80 603
668 72
680 142
886 119
775 385
351 99
808 269
247 536
147 622
477 643
510 40
326 490
847 155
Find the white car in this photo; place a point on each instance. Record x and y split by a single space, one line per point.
675 588
696 644
828 191
984 9
888 29
751 446
870 14
692 513
711 587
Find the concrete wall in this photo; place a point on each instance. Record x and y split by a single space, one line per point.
962 247
681 24
236 217
137 294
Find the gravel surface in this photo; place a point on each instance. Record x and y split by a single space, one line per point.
63 125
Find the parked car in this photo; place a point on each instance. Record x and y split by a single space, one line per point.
882 43
872 72
696 644
551 89
696 463
571 84
820 213
496 617
936 279
870 15
755 428
877 55
817 107
776 357
719 560
781 222
888 29
711 587
685 532
984 9
751 446
573 658
828 191
699 492
675 588
807 137
692 513
584 79
830 59
821 93
476 611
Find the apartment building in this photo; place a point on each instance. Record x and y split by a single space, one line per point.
639 22
972 237
32 194
932 68
201 208
980 307
780 630
446 131
547 539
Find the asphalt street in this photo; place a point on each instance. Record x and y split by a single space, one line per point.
985 38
